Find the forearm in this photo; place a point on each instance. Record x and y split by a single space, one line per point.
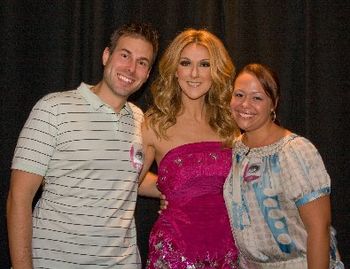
318 249
19 225
148 186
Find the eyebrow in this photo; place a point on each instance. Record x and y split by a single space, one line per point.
253 92
186 58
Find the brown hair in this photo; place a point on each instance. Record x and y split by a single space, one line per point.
142 30
267 78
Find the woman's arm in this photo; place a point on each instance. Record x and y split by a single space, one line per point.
148 186
316 216
148 180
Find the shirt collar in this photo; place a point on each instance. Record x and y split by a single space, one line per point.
96 102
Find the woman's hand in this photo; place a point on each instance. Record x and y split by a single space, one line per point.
163 203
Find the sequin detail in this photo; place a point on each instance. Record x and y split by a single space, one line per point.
194 231
167 256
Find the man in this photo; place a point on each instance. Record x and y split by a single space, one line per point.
83 146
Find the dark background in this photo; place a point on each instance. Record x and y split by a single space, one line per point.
53 45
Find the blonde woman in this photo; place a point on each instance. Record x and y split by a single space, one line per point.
184 133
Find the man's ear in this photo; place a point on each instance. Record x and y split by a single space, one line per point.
105 56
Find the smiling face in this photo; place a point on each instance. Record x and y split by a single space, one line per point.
251 107
128 66
193 71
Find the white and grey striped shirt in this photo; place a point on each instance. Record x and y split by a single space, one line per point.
90 157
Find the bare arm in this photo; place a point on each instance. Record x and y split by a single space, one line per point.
148 180
148 187
23 187
316 216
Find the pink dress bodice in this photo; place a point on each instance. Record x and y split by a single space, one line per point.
194 231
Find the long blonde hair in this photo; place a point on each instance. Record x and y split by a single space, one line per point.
166 91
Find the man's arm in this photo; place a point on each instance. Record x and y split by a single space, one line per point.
23 187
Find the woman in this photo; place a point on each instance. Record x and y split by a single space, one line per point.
184 132
278 193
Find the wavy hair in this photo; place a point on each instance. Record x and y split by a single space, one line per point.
166 91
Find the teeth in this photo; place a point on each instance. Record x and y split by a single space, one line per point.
125 79
194 84
245 115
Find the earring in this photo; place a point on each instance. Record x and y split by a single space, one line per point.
273 115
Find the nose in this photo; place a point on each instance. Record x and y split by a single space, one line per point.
132 66
194 72
245 101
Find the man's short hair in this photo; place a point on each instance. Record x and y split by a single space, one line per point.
142 30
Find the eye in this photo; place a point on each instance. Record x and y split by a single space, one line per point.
205 64
185 63
124 55
144 63
257 98
254 168
237 94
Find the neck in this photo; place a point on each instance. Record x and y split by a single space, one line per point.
194 110
107 96
263 137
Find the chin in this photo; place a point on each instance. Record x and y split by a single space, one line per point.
245 127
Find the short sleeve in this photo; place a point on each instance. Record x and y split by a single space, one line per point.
306 178
37 139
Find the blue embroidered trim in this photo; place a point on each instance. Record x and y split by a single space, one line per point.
312 196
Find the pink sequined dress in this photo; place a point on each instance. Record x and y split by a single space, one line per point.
194 231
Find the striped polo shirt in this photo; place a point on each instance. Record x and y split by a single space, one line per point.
90 158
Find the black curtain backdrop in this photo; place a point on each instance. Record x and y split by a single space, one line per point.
53 45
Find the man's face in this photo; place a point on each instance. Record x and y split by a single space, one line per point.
128 66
